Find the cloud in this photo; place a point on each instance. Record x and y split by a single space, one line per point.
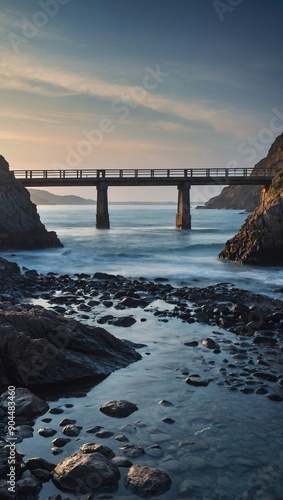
46 80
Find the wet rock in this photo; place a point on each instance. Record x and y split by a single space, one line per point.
98 448
94 430
56 411
56 451
147 481
71 430
38 347
118 408
211 344
67 421
122 462
164 402
192 343
133 450
197 381
154 451
124 321
265 340
130 429
266 376
60 442
28 488
168 420
46 432
85 473
28 405
122 438
104 434
274 397
39 463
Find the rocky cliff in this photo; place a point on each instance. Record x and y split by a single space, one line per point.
260 239
20 225
249 197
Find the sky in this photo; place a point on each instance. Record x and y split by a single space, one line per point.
139 84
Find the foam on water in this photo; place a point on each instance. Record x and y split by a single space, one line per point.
143 241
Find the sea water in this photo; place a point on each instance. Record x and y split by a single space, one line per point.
143 241
224 444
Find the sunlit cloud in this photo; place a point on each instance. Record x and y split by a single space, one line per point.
53 81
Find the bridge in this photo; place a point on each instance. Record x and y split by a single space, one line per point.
182 178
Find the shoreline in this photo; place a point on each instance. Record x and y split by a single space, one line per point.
252 320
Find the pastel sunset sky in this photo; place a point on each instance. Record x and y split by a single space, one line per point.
140 84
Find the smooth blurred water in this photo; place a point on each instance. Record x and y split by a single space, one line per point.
223 444
143 241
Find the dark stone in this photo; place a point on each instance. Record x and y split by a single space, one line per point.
71 430
274 397
46 432
193 343
39 347
197 381
39 463
147 481
210 344
118 408
28 405
98 448
133 450
60 442
124 321
85 473
164 402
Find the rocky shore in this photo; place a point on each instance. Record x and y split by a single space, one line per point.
20 225
45 347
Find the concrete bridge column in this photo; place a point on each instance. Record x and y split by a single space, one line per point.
183 217
102 215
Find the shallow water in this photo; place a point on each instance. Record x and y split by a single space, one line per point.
222 443
232 442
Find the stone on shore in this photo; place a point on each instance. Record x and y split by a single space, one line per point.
40 347
118 408
147 481
20 225
84 473
27 404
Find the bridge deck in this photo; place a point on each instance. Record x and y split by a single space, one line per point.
144 177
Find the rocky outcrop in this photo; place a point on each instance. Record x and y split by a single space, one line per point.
20 225
260 239
39 347
249 197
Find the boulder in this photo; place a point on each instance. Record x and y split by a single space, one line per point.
85 473
147 481
118 408
27 404
39 347
20 225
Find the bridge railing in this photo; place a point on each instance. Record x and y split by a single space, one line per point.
142 173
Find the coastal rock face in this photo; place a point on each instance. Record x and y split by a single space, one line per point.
40 347
20 225
249 197
260 239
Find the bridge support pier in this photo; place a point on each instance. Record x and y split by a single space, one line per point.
102 215
183 217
